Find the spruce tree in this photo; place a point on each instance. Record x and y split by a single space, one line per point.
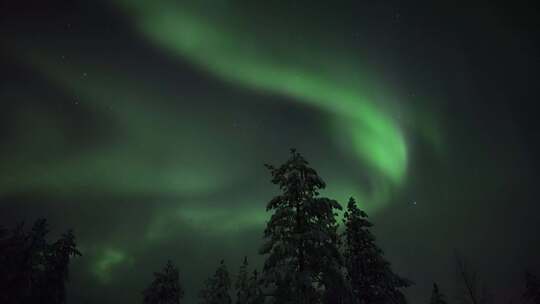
216 290
436 296
57 263
301 236
165 288
247 286
371 278
254 295
33 270
242 283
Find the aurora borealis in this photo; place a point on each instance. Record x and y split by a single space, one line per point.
235 55
144 125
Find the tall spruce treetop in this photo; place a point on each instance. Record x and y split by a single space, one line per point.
301 236
165 288
436 296
371 277
216 290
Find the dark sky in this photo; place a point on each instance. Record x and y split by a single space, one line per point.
144 125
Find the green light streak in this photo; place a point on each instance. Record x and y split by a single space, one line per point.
106 263
149 151
206 220
223 43
157 152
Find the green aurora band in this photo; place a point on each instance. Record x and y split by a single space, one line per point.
222 45
104 266
220 42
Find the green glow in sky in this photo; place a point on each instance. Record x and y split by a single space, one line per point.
152 150
107 261
206 220
226 47
145 125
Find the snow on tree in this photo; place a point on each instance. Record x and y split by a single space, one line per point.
216 289
370 275
247 286
301 237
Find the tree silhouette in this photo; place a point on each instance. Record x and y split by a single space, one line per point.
242 283
57 262
301 238
371 277
216 290
474 291
165 288
255 295
532 288
247 287
14 265
32 270
436 296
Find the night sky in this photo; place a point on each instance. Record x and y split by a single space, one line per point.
144 125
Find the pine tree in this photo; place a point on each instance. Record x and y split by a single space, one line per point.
15 267
255 295
371 278
32 270
242 283
532 288
57 263
36 266
301 236
247 287
165 288
436 296
473 289
216 290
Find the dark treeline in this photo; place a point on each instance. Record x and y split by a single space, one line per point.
308 258
33 270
